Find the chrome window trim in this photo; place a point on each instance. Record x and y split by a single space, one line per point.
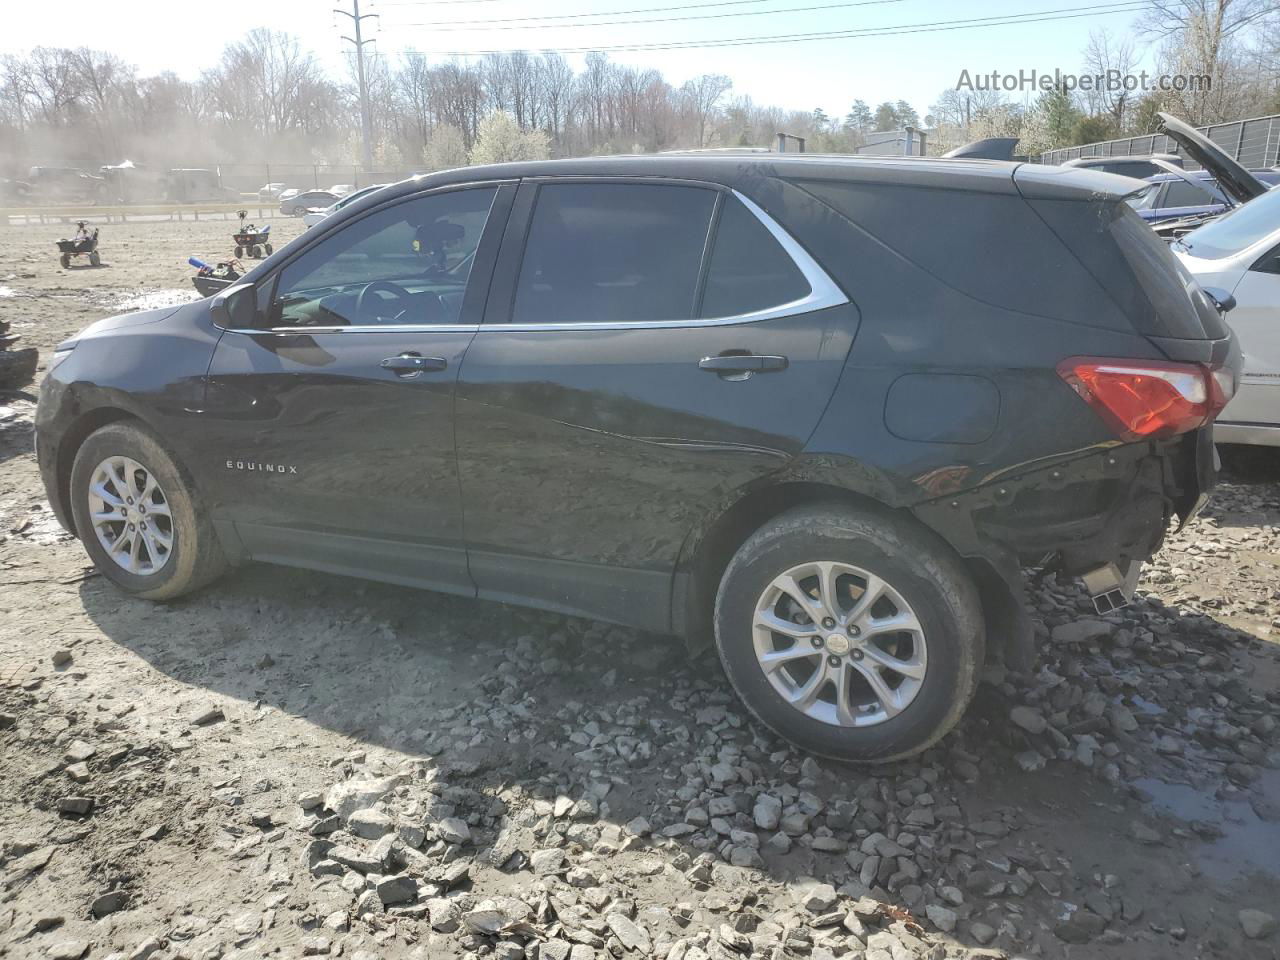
359 328
823 294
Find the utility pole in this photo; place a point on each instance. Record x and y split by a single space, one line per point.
366 120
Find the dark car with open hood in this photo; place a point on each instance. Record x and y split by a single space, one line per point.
819 412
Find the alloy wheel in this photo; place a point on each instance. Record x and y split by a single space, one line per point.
839 644
130 516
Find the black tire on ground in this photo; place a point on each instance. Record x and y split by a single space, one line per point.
94 259
917 564
256 252
196 557
65 260
239 251
268 249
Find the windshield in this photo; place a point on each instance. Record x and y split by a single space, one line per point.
1235 231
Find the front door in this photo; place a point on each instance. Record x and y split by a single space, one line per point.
649 349
334 423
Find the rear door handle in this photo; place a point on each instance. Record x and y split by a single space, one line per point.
742 363
411 364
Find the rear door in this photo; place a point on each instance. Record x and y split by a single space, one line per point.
649 348
331 425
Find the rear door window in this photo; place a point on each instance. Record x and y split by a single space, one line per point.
613 253
749 271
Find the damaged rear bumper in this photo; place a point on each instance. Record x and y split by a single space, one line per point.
1099 514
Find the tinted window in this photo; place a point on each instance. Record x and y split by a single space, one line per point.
418 252
1179 193
749 270
613 252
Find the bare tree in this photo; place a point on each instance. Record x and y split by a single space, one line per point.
702 96
1110 58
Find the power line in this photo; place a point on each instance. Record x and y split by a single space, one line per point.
463 24
1039 16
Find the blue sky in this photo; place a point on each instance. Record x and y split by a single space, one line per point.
188 36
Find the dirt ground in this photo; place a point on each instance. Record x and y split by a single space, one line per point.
294 764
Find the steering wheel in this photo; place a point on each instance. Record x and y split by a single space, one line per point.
368 296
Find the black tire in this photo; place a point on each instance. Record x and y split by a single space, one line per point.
94 259
196 558
257 252
268 249
65 260
918 566
239 251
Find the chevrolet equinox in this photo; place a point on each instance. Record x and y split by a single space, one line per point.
818 411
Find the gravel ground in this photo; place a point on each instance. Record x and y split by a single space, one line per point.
293 764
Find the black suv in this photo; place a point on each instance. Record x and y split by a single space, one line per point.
821 410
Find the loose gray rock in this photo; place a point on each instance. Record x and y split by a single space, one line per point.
1256 924
369 823
401 888
454 830
1080 631
108 903
629 933
1029 719
68 949
941 917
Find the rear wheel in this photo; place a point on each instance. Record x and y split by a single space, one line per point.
268 249
257 252
137 517
65 260
852 634
239 250
94 259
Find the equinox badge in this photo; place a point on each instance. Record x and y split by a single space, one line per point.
261 467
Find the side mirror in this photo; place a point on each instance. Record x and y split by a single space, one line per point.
1224 301
236 309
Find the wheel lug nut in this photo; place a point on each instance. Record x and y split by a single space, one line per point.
828 623
817 641
856 654
853 630
833 660
128 500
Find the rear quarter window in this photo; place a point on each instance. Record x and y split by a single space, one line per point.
990 246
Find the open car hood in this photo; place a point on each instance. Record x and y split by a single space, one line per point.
1237 182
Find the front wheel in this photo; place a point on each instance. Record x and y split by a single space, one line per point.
268 249
94 259
65 260
853 634
137 517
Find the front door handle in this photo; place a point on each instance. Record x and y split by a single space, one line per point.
742 363
409 365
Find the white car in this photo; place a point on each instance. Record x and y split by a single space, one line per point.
342 189
270 191
1236 259
316 214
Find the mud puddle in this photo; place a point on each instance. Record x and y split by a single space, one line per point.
1237 841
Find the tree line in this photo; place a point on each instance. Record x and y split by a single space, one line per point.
270 99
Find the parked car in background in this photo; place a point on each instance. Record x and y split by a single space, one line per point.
270 191
298 204
1237 259
315 215
1195 193
1140 168
342 189
60 184
747 400
194 185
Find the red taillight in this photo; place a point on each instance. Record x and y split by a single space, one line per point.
1147 399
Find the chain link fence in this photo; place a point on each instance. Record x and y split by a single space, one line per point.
1255 143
